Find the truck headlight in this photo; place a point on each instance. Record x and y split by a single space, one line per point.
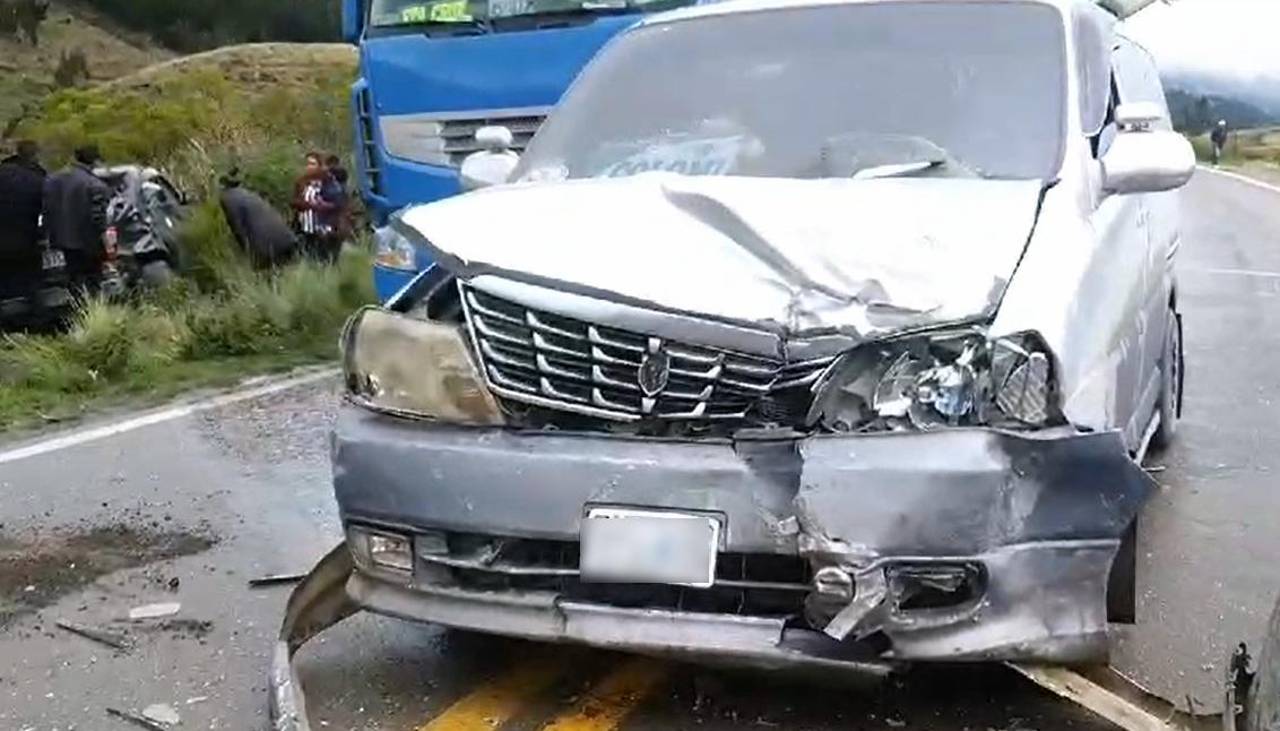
409 366
393 251
944 380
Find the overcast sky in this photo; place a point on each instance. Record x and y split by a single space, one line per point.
1232 36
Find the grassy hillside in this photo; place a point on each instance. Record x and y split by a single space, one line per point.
257 107
260 107
27 71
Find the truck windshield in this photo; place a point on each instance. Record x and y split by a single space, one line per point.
853 90
390 14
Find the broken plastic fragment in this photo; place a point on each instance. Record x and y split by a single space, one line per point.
154 611
162 713
871 590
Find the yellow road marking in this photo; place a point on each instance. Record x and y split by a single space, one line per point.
606 706
500 698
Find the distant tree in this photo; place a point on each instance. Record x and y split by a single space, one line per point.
8 18
73 68
192 25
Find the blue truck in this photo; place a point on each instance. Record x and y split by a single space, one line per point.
432 72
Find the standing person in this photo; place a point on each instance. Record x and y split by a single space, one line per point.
21 200
336 192
314 211
1219 139
75 215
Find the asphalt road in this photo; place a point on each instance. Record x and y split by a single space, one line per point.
189 508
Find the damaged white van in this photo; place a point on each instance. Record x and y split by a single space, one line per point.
805 331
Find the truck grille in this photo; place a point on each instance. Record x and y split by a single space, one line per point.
459 135
540 358
446 139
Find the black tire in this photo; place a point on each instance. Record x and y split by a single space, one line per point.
156 274
1172 379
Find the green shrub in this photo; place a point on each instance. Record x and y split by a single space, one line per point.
101 338
42 363
210 256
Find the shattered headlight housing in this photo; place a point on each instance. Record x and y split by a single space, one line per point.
942 380
392 250
414 367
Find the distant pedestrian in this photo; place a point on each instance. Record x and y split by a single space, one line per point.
1219 137
314 211
259 229
75 215
21 200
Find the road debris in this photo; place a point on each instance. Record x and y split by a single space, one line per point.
276 580
155 611
162 713
1112 697
101 636
137 720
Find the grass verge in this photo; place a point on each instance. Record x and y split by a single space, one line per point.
148 350
258 108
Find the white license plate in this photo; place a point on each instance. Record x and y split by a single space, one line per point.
645 547
54 259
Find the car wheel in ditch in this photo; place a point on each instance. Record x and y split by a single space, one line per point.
157 275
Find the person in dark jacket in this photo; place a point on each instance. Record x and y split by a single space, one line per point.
21 200
259 229
75 215
335 191
1219 137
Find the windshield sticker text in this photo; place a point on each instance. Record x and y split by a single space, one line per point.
691 157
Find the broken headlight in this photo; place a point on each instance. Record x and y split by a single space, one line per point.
409 366
945 380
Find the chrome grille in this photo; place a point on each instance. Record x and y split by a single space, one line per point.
547 360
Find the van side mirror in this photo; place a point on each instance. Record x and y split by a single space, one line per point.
493 163
352 20
1144 159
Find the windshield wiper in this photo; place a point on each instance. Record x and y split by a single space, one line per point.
895 169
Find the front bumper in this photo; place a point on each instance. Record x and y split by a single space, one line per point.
1040 516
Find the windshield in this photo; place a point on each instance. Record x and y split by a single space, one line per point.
403 13
868 90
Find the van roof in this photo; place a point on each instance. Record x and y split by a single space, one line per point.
733 7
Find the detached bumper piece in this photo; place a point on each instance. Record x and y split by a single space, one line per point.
316 604
862 551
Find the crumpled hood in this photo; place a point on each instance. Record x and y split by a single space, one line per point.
861 257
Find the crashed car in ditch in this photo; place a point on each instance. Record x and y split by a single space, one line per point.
144 215
802 333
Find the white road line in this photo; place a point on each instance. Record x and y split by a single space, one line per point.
1242 178
1244 273
97 433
